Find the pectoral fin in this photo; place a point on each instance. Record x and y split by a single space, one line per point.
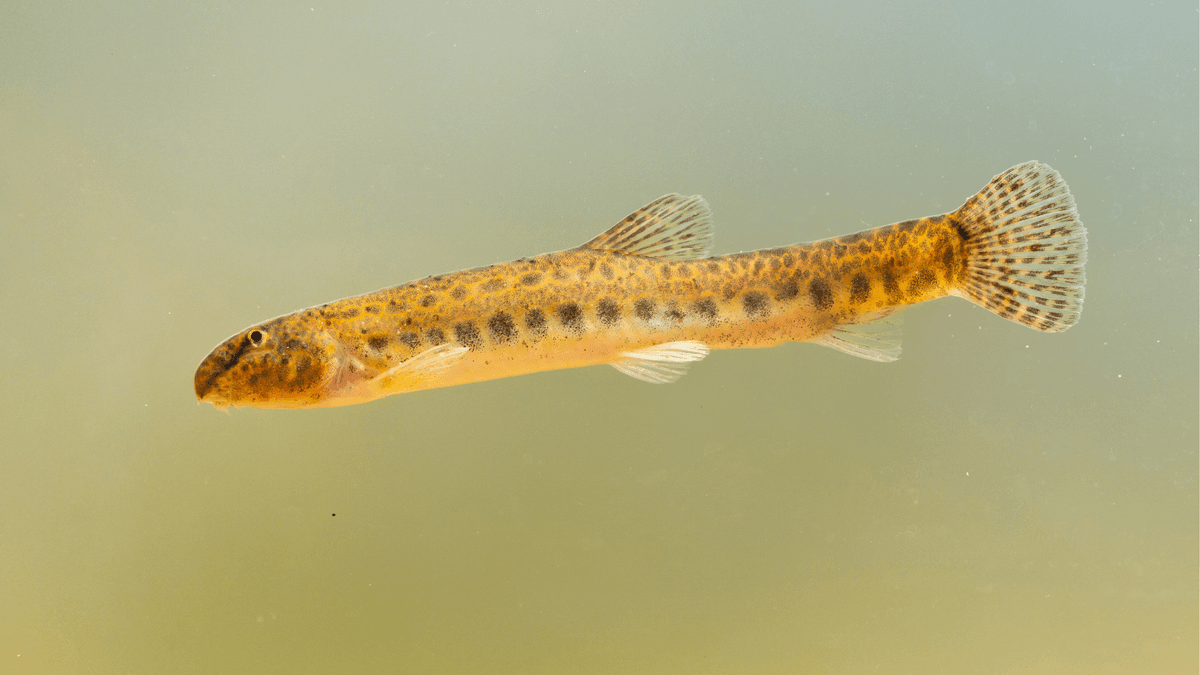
423 367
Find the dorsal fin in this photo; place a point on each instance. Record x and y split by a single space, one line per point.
672 227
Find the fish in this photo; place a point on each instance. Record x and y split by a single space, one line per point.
646 298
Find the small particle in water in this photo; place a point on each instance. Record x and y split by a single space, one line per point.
334 514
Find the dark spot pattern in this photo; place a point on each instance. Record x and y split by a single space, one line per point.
644 309
468 335
891 286
378 342
436 336
706 308
788 290
409 339
756 304
948 262
608 311
571 317
371 309
502 327
458 293
531 278
535 319
922 281
860 288
819 291
428 300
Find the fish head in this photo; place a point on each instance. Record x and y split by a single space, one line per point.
281 363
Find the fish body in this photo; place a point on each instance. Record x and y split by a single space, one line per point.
644 298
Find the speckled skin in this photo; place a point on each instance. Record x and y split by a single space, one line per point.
576 308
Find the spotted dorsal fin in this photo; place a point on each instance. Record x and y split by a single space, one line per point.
672 227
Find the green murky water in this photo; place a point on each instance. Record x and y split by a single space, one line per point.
998 501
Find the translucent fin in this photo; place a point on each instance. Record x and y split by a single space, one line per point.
876 339
427 365
1025 249
661 364
672 227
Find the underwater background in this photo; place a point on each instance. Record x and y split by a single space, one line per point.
997 501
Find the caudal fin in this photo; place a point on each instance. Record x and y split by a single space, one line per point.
1025 249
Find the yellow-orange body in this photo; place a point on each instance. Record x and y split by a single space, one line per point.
593 305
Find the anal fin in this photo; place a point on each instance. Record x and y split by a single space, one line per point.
661 364
876 338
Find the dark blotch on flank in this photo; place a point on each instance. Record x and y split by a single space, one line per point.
606 271
820 293
350 313
571 316
531 278
643 309
755 304
923 281
428 300
860 288
948 262
536 320
468 335
410 339
608 311
788 291
706 308
436 336
377 342
502 327
890 286
371 309
458 293
673 312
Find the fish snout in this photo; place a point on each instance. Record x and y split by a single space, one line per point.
265 367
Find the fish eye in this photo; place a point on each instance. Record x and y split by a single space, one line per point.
256 336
